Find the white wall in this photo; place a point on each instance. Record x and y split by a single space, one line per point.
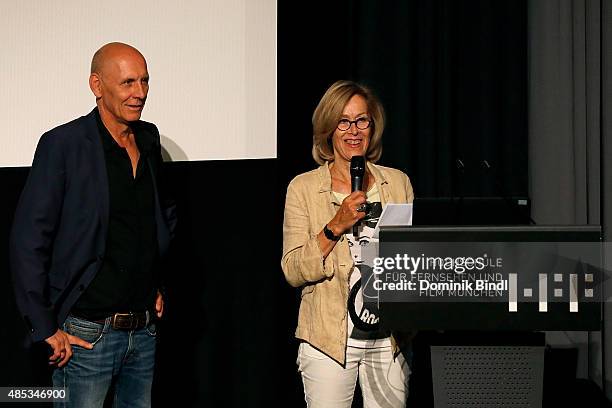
212 65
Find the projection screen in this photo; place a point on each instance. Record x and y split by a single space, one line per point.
212 65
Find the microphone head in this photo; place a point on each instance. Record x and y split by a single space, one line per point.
357 166
357 172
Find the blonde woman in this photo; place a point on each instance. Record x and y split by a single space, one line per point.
321 256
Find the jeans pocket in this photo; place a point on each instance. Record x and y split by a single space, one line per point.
308 352
83 329
151 329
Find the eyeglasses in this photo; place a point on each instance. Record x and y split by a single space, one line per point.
361 123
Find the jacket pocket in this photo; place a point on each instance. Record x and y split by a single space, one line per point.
308 289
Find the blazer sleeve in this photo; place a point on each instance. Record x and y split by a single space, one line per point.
32 235
166 200
167 205
409 191
302 260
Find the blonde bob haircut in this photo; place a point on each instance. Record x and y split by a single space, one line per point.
329 111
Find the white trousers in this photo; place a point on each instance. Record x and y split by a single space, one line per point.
383 380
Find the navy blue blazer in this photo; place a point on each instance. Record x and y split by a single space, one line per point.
58 237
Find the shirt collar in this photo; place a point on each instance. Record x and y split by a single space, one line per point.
143 142
325 183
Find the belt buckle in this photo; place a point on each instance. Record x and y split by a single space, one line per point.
122 325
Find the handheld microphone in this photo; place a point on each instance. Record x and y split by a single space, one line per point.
357 173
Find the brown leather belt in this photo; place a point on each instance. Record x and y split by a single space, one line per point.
126 321
129 321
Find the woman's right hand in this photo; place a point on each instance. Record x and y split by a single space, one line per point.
347 214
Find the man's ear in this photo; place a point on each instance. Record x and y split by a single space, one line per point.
95 84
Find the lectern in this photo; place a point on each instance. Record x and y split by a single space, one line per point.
495 280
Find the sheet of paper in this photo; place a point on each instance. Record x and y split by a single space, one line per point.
397 215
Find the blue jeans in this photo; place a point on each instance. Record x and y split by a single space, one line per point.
124 359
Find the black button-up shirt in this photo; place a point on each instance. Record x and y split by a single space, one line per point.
127 280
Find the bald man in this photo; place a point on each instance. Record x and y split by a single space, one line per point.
90 228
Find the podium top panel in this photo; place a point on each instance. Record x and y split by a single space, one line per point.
472 211
502 233
547 277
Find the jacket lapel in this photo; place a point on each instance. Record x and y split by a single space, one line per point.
381 182
98 170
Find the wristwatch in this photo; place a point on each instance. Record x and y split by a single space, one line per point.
329 234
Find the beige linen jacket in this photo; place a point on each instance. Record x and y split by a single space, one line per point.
309 205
